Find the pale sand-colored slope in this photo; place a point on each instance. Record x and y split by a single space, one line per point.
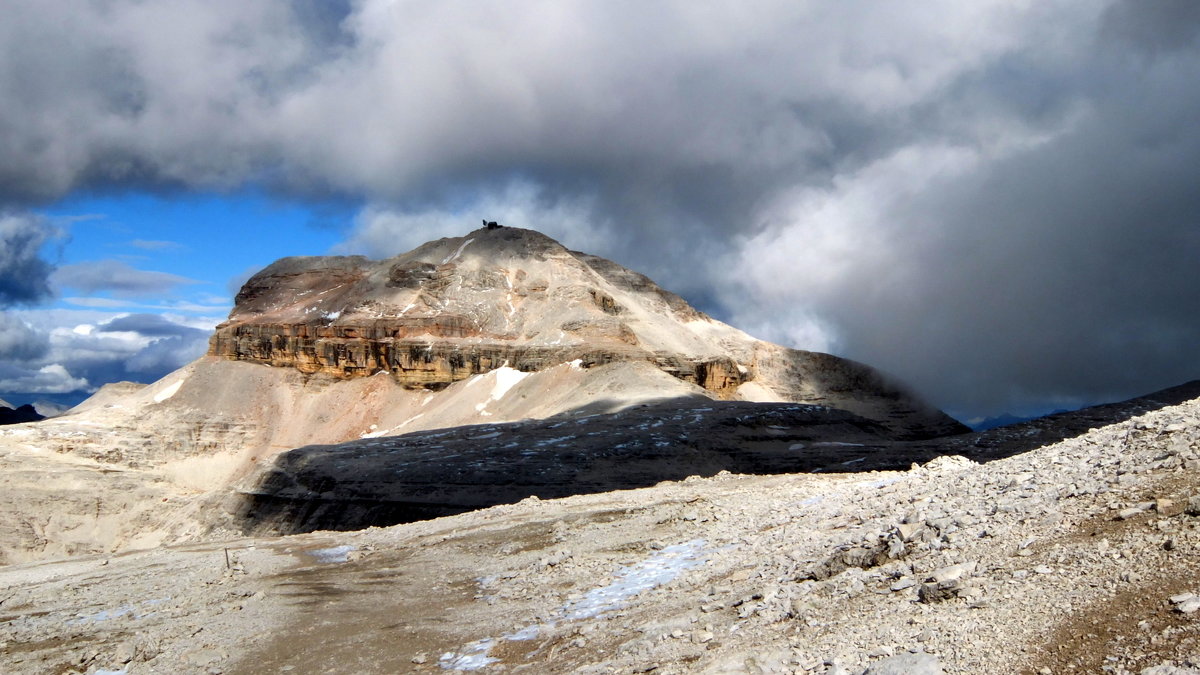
137 466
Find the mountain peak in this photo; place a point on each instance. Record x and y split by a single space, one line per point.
459 307
487 242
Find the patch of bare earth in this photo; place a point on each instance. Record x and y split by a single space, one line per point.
1132 625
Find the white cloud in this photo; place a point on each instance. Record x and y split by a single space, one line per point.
156 245
49 379
81 349
209 304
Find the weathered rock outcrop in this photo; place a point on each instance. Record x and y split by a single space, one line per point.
458 307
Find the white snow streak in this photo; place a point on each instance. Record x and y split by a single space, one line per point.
454 256
660 568
506 378
168 392
336 554
473 657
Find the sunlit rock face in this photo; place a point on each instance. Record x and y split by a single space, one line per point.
463 306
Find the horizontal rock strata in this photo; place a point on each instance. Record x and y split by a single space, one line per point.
421 362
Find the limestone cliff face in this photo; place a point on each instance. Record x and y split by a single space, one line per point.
458 307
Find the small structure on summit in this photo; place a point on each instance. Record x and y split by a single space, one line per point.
491 224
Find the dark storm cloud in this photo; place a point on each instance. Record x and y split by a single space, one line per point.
1054 273
24 274
994 202
1155 26
19 341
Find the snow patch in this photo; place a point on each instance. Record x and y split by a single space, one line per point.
335 554
103 615
660 568
556 440
473 656
883 482
454 256
526 633
167 393
506 378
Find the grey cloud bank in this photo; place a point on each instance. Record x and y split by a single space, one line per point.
24 273
117 277
994 201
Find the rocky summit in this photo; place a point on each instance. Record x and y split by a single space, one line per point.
509 297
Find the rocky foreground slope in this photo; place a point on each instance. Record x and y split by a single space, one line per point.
1080 555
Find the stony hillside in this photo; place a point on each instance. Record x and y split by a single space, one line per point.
1081 555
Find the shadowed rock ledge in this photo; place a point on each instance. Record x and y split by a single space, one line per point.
384 481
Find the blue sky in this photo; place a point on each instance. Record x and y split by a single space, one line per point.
212 242
993 202
149 275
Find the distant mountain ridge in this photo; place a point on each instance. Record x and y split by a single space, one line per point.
23 413
1007 419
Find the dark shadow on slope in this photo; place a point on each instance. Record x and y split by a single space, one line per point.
384 481
390 480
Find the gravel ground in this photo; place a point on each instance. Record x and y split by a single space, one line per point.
1080 556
